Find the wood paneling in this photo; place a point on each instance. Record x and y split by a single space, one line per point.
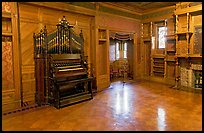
27 49
28 84
29 12
9 101
117 23
102 58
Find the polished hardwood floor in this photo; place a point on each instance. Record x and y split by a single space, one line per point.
138 105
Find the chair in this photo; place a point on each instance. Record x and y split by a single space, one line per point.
114 69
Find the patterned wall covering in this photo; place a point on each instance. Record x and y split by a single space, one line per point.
7 66
7 57
6 7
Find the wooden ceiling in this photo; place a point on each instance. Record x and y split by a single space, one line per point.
141 7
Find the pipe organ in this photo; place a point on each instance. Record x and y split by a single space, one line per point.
61 70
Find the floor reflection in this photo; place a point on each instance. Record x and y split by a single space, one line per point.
161 119
122 106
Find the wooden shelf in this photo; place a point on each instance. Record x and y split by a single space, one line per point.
180 33
6 34
198 88
195 56
158 61
171 37
170 60
171 50
158 57
147 39
159 66
6 15
183 56
158 71
102 40
7 91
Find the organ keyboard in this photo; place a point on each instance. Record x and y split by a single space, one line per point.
71 83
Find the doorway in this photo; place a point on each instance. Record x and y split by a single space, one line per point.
121 56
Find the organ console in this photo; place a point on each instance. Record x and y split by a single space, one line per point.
60 67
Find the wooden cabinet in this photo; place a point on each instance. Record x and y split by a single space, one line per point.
10 59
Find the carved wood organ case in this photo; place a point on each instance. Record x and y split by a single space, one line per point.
61 70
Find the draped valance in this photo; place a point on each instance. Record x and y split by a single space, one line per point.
122 36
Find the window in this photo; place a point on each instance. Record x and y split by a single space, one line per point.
153 42
117 51
161 36
121 50
125 50
112 52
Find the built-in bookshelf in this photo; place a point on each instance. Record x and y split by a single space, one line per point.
158 66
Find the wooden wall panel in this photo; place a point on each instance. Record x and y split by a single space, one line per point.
28 84
103 82
8 101
27 48
29 24
147 58
171 70
29 12
114 22
130 55
102 58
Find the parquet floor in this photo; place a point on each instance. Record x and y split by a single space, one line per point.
139 105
